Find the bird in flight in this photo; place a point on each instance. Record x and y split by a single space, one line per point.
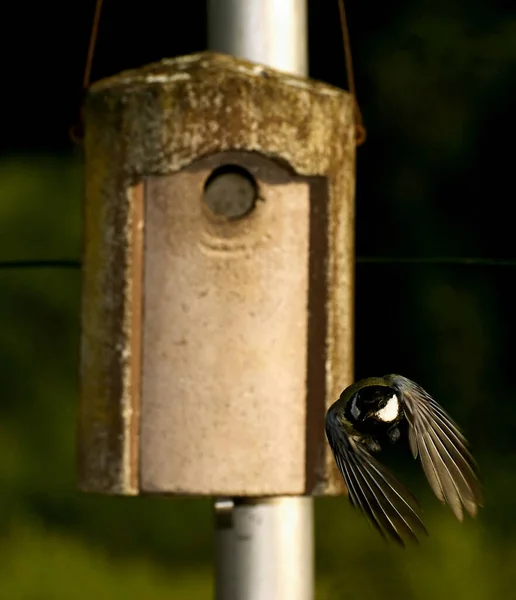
371 412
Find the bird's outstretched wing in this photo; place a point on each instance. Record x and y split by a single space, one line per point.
387 504
442 449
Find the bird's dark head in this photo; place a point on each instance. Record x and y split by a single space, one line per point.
373 407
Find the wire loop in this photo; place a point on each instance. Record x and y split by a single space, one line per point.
360 130
77 131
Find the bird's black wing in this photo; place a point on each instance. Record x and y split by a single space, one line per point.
387 504
442 449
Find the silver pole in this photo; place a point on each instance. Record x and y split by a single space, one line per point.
264 549
263 546
269 32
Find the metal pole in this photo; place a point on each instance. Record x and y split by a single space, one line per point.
264 547
269 32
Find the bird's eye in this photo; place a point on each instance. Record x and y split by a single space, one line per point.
368 396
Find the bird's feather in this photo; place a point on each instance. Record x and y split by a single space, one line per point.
387 504
442 448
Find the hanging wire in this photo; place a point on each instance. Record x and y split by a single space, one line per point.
77 130
360 131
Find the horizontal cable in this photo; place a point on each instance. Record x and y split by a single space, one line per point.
40 264
360 260
436 260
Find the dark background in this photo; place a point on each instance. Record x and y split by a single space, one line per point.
436 83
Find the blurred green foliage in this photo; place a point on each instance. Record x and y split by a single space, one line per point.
439 78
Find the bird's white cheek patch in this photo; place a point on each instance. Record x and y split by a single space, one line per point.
390 411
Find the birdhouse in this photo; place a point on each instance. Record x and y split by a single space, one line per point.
217 303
